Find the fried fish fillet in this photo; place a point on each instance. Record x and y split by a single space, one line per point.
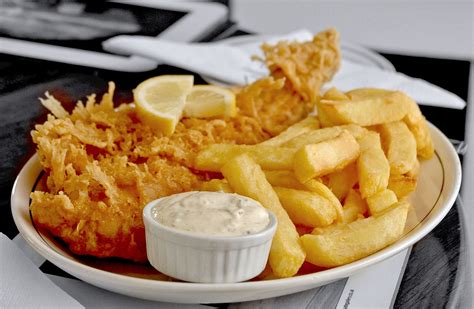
103 166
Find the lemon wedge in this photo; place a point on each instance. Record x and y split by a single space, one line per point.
160 100
204 101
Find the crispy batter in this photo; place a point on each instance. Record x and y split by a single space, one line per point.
306 65
298 70
103 166
273 103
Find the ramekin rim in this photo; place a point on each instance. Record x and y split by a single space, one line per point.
268 231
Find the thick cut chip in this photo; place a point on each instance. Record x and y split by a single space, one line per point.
346 243
285 179
389 107
354 207
405 184
247 178
335 94
306 208
342 181
319 188
215 185
213 157
417 124
363 93
372 165
399 146
380 201
308 124
317 136
316 160
313 137
402 185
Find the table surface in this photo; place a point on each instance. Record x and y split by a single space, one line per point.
437 273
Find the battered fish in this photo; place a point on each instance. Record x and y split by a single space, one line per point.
103 166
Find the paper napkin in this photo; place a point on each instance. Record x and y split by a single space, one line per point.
23 285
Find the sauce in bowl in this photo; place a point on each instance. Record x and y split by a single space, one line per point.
212 213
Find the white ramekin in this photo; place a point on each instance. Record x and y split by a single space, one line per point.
202 258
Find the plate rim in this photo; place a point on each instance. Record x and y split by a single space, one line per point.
325 276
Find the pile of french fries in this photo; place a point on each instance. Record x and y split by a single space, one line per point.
344 175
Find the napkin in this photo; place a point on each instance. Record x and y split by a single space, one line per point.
228 64
23 285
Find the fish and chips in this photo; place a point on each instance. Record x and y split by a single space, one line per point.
337 182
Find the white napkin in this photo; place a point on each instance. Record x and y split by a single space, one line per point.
224 62
23 285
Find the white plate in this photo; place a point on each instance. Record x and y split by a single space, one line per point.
438 186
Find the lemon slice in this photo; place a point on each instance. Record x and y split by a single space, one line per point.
206 101
160 100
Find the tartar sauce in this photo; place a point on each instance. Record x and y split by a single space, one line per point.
212 213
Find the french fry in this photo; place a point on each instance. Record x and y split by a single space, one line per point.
346 243
342 181
323 117
415 171
315 160
364 93
213 157
308 124
285 179
247 178
405 184
326 229
215 185
402 185
313 137
306 208
354 206
319 188
356 130
380 201
332 94
417 124
372 165
335 94
373 110
399 145
317 136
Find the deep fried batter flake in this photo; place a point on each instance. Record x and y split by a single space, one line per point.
273 103
103 166
306 65
298 70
